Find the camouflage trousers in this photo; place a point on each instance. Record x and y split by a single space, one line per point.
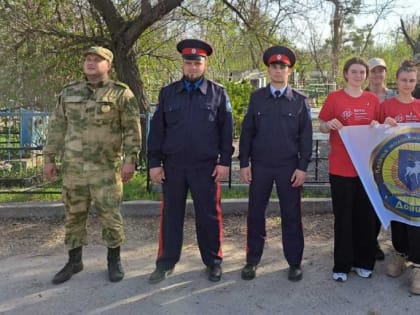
103 189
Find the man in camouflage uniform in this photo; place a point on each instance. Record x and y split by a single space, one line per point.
96 128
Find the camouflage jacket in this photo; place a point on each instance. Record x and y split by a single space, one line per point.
93 128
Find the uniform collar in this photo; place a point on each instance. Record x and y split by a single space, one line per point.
203 86
288 93
100 84
273 90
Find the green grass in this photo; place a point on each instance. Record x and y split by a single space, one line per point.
237 193
136 189
133 190
22 197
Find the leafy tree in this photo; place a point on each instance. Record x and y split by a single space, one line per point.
33 68
239 93
42 40
75 25
263 23
346 39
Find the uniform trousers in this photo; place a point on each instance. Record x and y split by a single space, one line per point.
208 215
354 225
290 212
104 189
378 226
406 240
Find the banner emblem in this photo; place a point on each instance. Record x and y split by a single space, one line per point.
395 163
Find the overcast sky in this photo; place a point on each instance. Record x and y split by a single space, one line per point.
403 8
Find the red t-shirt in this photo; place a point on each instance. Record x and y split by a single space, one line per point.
401 112
350 111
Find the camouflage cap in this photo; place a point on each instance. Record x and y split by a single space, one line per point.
101 52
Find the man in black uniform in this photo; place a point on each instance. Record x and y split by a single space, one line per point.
190 148
416 60
277 137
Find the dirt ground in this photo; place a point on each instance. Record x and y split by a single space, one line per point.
31 236
31 251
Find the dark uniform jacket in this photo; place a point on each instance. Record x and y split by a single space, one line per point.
191 128
416 92
276 131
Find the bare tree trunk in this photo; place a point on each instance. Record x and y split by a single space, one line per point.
128 72
337 36
124 35
414 43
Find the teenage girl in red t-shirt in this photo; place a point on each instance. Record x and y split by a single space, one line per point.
405 238
354 217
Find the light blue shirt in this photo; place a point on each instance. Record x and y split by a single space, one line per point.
273 90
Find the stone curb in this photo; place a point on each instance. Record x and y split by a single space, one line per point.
152 208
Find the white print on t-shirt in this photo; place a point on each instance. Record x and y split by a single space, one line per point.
399 118
357 114
411 117
346 114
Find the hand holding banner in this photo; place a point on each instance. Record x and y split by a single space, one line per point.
387 160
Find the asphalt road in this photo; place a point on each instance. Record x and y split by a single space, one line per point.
25 279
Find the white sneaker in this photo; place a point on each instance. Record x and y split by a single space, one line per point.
361 272
340 276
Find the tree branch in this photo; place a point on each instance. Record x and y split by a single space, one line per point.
409 40
146 19
239 14
112 18
382 12
65 35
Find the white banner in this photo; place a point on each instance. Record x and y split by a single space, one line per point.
387 160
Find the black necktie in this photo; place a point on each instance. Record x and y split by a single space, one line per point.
277 94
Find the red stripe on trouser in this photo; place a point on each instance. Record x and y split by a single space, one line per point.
160 249
219 218
247 249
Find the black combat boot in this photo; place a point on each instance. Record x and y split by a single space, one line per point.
115 270
73 266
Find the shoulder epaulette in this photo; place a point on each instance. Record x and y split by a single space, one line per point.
72 83
259 90
171 84
121 84
300 93
217 83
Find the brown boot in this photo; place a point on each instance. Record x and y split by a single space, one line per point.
73 266
415 280
396 265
